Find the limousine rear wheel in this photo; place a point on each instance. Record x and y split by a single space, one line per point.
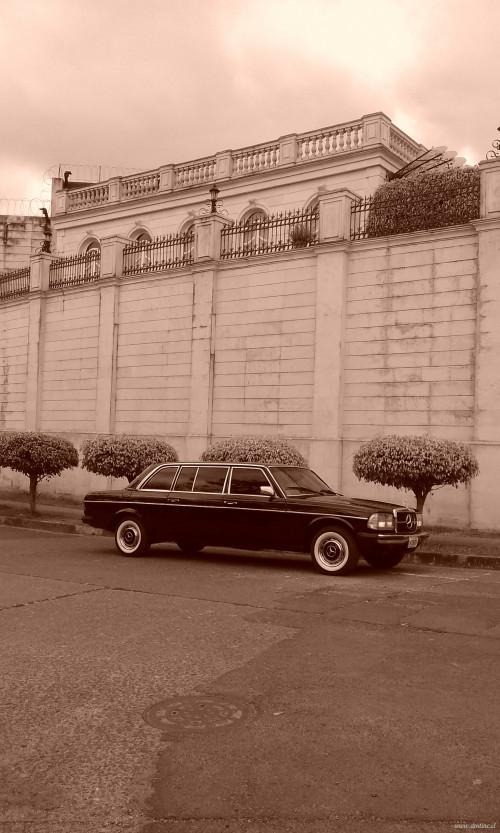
131 537
334 551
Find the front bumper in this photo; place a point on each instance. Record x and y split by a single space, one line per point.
392 539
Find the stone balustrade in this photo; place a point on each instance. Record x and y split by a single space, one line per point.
294 149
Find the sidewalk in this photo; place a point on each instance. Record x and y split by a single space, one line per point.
443 547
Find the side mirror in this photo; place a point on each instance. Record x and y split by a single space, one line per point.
267 490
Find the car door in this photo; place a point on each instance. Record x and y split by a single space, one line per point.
150 499
194 505
251 518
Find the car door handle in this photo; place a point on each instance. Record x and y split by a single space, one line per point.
173 500
231 503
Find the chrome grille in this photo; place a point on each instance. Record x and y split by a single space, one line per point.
406 521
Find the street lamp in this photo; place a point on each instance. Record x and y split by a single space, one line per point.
214 193
496 144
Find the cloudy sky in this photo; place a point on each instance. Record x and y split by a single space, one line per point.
139 83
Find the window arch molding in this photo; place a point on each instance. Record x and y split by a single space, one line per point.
312 204
90 242
140 234
254 208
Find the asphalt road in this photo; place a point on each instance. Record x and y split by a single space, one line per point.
365 703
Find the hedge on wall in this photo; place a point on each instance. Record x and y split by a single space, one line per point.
415 463
266 450
38 456
124 455
428 200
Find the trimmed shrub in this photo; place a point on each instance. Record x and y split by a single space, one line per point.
301 235
266 450
124 455
418 464
36 455
426 200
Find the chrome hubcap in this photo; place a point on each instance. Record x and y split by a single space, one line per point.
332 552
130 537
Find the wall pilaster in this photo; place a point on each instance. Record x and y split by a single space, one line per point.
106 358
202 362
335 215
39 284
207 241
484 490
326 446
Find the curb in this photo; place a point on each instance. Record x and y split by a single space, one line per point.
429 559
50 526
448 559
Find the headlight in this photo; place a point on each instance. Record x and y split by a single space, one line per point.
381 520
419 520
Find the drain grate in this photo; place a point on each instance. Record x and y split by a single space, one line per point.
197 713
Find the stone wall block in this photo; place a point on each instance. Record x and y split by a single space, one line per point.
335 215
490 188
288 147
207 236
115 189
40 272
376 129
112 256
224 165
167 178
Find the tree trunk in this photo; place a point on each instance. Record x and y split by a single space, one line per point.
33 485
421 496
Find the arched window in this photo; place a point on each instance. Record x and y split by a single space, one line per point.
188 243
142 250
255 232
92 263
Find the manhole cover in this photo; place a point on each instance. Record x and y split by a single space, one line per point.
197 713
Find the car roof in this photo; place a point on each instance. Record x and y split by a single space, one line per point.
226 463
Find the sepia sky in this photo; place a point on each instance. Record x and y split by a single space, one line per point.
139 83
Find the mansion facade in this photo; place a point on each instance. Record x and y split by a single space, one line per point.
241 294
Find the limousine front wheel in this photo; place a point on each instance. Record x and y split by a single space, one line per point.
334 551
131 537
386 558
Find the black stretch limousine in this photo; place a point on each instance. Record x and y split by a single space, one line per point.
253 507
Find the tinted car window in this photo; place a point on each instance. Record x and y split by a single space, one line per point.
247 481
140 477
162 479
184 482
210 479
295 481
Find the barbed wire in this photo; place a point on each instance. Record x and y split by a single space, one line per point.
32 206
86 172
24 206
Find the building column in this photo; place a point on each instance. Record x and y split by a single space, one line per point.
109 293
207 249
326 447
39 285
202 362
106 358
335 215
484 489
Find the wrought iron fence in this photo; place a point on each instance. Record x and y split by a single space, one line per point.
378 216
15 283
75 270
276 233
167 252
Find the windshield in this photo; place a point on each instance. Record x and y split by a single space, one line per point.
295 481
